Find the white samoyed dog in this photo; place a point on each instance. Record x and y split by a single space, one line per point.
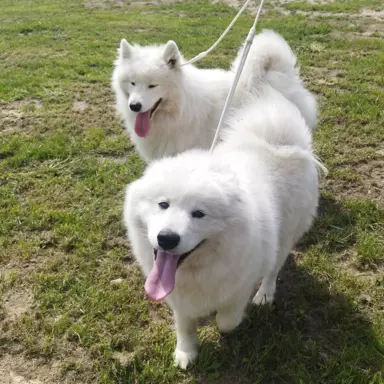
206 228
168 108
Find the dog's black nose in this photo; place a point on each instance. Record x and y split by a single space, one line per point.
136 107
167 239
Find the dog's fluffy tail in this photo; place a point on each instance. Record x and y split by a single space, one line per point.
271 60
287 152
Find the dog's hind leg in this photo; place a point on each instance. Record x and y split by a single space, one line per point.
230 316
187 343
266 292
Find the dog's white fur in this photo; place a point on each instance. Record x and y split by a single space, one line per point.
192 98
259 191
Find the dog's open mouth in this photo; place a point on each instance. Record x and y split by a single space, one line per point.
154 108
183 256
143 120
161 280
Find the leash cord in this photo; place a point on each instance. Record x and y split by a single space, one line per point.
248 43
205 53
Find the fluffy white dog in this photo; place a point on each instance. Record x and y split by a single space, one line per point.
168 108
206 228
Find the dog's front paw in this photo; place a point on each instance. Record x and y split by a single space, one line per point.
182 359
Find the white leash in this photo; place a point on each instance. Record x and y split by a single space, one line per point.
205 53
248 43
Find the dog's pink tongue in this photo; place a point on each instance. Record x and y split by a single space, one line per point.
161 281
142 124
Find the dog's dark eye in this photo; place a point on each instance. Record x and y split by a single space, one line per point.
164 205
133 83
198 214
152 86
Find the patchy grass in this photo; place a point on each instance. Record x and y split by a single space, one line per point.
335 6
73 308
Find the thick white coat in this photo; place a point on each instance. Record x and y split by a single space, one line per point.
192 98
259 191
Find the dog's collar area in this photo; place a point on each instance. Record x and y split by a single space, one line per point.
183 256
154 108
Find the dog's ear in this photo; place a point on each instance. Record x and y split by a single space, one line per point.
125 50
171 55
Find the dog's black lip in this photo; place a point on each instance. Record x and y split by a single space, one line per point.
184 255
155 107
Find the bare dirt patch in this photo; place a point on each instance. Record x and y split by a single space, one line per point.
18 370
17 302
252 7
373 179
154 2
369 185
377 15
370 35
321 2
25 103
120 3
374 29
276 5
12 114
79 106
124 358
327 76
363 14
113 159
103 3
9 117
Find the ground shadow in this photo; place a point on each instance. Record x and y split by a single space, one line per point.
333 228
312 334
309 336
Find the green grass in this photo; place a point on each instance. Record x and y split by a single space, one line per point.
340 6
64 164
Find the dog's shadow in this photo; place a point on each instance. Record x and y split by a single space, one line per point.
333 228
313 333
